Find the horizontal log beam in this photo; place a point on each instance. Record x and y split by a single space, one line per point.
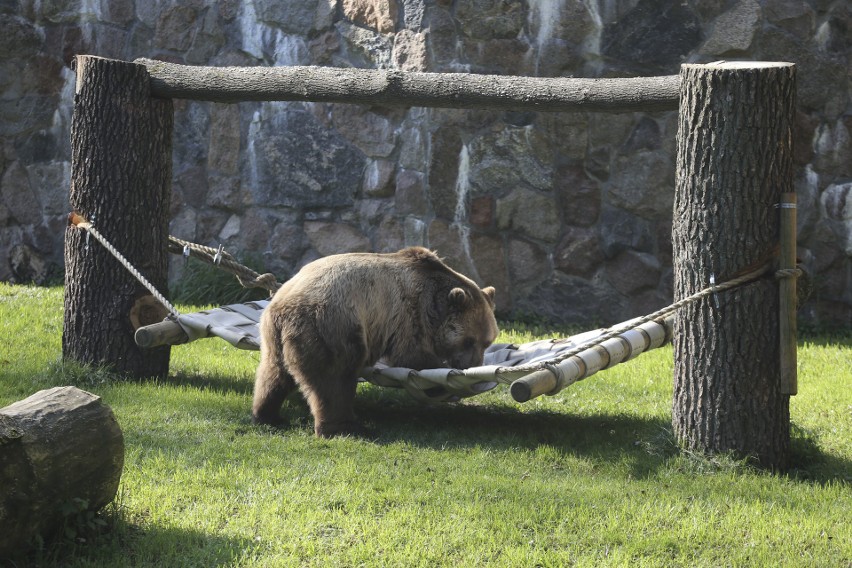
408 89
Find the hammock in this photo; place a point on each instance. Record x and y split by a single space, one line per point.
538 367
532 369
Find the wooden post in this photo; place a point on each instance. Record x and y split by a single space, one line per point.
734 162
120 181
787 296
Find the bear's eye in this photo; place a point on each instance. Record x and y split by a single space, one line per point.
468 343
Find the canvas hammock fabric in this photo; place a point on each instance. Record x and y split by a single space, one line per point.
504 362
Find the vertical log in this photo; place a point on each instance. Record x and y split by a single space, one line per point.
121 181
734 160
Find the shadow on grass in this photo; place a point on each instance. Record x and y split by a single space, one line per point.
127 544
645 445
601 437
217 383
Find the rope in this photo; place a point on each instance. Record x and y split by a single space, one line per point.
788 273
82 223
655 316
247 277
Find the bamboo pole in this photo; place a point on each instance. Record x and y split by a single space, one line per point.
166 332
787 296
586 363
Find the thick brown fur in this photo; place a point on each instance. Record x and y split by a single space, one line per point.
344 312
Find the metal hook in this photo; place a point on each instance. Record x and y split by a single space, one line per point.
218 257
715 295
88 234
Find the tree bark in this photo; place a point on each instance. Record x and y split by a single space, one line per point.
56 446
121 166
399 88
734 160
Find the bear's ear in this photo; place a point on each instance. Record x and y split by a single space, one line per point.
457 298
489 295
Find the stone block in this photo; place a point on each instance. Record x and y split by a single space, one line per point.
444 166
223 150
411 196
655 36
378 15
294 17
292 161
511 157
631 272
579 195
565 299
508 56
642 184
734 31
176 27
620 230
578 252
482 212
366 48
409 51
528 265
490 19
795 16
389 235
329 238
413 14
489 259
372 132
377 178
529 213
836 207
18 197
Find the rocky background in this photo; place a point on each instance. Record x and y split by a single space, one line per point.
568 215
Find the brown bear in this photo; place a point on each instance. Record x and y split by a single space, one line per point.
347 311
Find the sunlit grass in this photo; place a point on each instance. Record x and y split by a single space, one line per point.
588 477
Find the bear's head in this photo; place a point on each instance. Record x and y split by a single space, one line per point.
468 329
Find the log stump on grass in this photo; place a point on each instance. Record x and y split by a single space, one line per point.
734 164
59 446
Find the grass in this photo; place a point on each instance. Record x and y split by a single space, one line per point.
589 477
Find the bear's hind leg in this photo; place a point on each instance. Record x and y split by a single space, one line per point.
332 403
272 385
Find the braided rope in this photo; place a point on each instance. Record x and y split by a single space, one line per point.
247 277
87 226
788 273
655 316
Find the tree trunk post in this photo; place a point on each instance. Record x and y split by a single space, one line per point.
734 161
121 163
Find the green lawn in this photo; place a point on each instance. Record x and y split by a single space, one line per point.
589 477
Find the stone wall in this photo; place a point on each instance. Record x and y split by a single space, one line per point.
568 215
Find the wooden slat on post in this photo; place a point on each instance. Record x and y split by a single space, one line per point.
734 161
787 296
121 164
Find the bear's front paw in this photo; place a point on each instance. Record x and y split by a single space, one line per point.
267 419
332 429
